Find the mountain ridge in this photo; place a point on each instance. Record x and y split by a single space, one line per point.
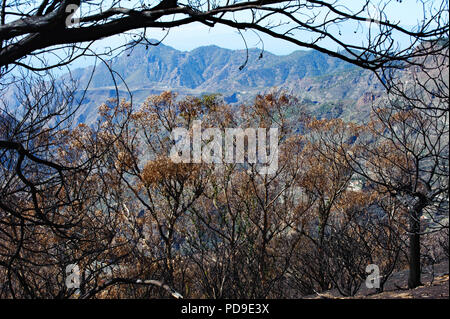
238 75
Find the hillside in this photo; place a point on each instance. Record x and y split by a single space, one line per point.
330 86
435 286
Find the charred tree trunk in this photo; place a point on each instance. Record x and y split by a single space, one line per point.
414 245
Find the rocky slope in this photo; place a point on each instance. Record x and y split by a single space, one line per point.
330 87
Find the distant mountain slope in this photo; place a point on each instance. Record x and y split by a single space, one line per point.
330 86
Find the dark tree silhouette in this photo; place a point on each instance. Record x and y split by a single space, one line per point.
33 28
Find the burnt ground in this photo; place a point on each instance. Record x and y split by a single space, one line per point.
435 282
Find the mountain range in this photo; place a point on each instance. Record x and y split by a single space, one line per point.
329 86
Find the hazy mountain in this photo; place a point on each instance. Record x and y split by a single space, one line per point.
330 86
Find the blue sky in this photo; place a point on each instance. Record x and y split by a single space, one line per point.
189 37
